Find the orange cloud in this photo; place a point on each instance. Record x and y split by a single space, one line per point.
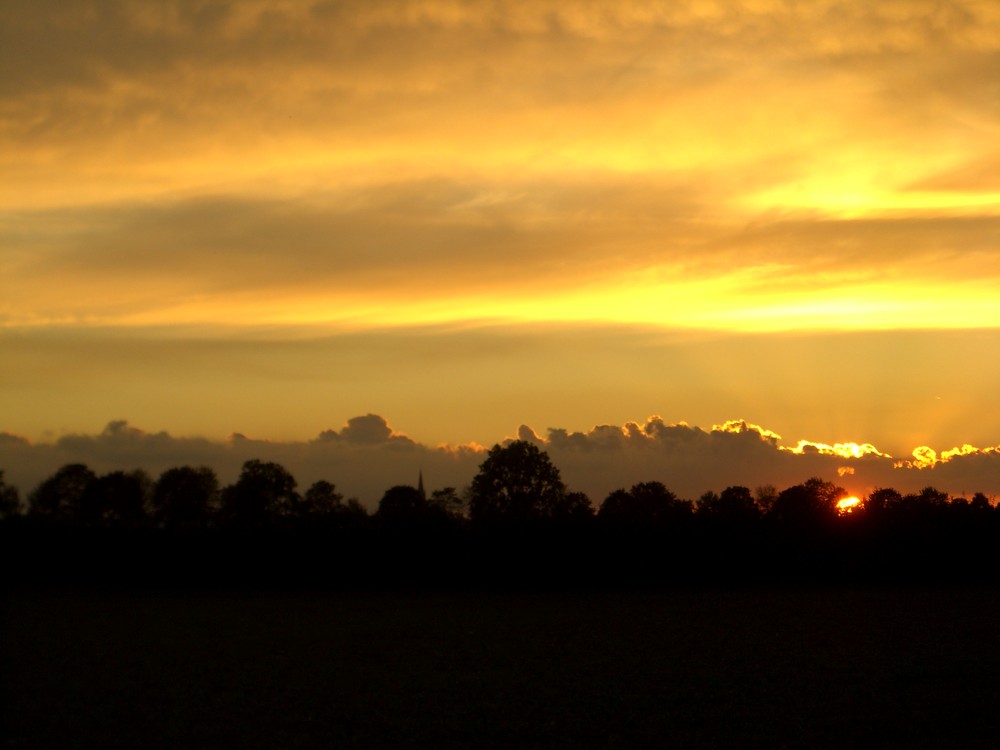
741 426
925 457
844 450
367 456
254 161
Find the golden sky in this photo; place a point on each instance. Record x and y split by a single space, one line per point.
272 216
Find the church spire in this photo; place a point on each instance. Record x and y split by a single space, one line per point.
420 485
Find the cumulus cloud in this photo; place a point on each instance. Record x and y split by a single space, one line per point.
363 459
370 429
925 457
691 460
844 450
367 456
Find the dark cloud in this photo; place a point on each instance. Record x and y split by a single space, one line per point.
895 389
364 459
370 429
691 460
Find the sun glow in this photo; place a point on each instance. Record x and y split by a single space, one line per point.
844 450
848 505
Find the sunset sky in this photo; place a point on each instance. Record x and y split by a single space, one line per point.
270 218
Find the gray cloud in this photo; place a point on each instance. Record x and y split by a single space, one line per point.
370 429
363 461
896 389
365 458
691 460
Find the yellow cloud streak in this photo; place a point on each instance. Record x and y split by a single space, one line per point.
925 457
760 109
711 303
844 450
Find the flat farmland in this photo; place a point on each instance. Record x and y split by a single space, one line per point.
822 667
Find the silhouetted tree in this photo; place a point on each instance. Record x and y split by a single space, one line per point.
353 509
116 499
60 497
765 497
931 497
403 503
516 482
923 510
881 500
184 496
321 501
812 504
980 503
573 507
646 503
10 500
449 502
734 507
264 492
706 499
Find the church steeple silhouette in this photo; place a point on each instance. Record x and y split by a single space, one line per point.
420 485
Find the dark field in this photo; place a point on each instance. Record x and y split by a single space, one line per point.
778 667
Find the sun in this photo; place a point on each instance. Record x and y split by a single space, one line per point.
848 505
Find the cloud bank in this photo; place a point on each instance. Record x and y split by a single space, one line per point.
366 456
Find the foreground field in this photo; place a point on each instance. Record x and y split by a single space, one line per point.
774 667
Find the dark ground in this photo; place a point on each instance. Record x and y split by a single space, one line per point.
751 667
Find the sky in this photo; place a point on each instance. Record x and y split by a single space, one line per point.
234 227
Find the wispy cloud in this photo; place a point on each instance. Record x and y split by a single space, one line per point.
447 160
644 251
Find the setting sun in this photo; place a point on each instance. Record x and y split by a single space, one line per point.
848 505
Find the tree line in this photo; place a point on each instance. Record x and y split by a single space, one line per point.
518 498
